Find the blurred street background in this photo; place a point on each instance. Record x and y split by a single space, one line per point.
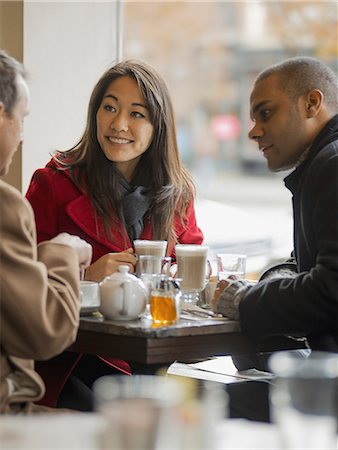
210 53
241 213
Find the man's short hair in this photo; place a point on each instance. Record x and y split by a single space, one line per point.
300 75
10 69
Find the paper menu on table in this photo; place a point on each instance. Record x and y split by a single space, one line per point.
223 365
184 370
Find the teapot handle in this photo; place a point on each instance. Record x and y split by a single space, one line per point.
125 295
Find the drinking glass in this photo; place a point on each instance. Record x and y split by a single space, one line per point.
208 292
304 399
148 247
230 264
193 269
140 411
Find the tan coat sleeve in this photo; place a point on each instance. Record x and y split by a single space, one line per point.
39 286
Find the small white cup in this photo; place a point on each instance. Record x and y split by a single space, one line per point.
90 293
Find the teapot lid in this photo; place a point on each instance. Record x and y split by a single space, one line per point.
121 274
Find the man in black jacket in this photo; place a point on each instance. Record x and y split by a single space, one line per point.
294 106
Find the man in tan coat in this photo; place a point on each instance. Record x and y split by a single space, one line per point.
39 285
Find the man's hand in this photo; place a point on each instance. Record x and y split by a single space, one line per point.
228 295
83 249
221 285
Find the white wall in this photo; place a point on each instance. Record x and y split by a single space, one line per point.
67 46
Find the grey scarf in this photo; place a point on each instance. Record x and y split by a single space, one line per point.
136 201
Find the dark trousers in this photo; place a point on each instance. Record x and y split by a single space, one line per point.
249 400
78 393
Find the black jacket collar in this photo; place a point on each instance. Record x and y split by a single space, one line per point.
328 134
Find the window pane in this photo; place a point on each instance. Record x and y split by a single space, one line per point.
209 53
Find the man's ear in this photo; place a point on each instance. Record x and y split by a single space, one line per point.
2 112
314 102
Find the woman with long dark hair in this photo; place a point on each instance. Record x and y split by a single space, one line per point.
124 180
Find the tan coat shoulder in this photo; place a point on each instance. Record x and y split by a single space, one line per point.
39 289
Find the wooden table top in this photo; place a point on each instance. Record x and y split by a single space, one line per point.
144 327
137 341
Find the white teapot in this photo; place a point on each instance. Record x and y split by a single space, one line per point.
123 296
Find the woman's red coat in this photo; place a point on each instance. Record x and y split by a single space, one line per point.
59 206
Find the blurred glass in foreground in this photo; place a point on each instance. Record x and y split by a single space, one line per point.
304 399
146 412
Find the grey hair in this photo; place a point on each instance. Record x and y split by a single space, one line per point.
299 75
10 69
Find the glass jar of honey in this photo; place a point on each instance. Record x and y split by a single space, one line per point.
164 301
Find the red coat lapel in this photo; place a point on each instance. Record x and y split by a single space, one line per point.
82 214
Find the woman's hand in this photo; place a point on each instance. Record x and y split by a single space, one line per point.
109 263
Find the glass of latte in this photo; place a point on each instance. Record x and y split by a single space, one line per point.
192 269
